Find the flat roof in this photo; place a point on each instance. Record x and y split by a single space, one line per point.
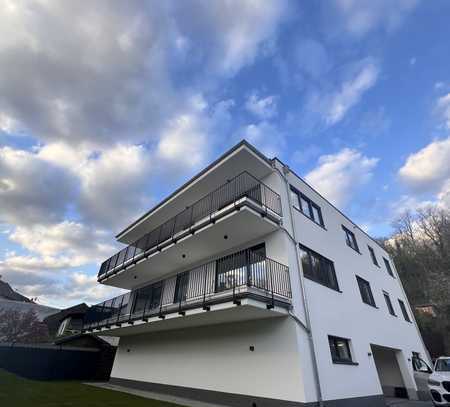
242 143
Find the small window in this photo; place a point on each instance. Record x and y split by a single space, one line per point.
340 350
389 303
388 267
350 239
366 291
306 206
404 312
318 268
373 257
295 199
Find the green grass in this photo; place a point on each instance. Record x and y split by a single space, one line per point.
19 392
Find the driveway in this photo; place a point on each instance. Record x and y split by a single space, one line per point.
407 403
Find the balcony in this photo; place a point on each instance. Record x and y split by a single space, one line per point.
242 192
241 286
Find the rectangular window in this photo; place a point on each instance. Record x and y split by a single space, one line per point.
373 257
318 268
388 267
181 287
350 239
404 312
340 350
306 206
366 291
242 268
389 303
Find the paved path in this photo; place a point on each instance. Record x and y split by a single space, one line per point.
155 396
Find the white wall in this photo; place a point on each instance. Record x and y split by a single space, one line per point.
218 358
344 314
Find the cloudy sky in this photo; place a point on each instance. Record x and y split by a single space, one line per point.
107 106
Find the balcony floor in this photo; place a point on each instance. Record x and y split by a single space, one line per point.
242 225
226 312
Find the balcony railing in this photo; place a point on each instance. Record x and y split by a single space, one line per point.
245 274
242 186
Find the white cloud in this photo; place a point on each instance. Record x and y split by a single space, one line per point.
351 92
265 136
31 189
339 176
429 168
443 108
361 16
264 108
120 86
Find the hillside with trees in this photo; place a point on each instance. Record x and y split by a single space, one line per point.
420 247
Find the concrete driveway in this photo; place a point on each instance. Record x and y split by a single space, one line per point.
407 403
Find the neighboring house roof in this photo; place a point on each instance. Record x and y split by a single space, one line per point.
87 340
7 293
41 311
53 321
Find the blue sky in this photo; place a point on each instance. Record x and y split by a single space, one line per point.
105 110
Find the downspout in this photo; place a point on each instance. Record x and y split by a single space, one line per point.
307 325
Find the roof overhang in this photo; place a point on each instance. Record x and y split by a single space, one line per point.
242 157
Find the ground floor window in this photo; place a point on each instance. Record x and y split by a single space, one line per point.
340 350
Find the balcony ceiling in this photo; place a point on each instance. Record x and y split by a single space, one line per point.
219 314
243 158
240 227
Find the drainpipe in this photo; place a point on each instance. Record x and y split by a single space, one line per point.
307 326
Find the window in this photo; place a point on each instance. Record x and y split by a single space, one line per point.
404 312
238 269
181 287
340 350
372 255
350 239
388 267
306 206
443 365
389 303
419 365
366 292
318 268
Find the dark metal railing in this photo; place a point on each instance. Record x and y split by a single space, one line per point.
243 274
242 186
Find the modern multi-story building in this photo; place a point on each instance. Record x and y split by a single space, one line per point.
248 288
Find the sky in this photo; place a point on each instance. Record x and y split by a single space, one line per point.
108 106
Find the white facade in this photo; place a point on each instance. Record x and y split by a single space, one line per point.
251 353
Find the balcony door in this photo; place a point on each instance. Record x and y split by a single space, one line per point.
181 287
240 269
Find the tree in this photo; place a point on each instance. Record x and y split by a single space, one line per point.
420 247
21 327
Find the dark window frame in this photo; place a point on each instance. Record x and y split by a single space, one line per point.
333 343
390 306
310 272
373 256
387 264
365 288
404 311
310 215
350 239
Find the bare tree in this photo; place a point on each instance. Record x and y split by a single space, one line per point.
21 327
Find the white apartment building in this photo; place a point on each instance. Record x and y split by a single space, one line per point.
248 288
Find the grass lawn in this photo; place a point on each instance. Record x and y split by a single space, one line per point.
18 392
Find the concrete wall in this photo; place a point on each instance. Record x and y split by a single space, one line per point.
218 358
343 313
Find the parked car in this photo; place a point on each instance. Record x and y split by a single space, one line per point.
439 382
